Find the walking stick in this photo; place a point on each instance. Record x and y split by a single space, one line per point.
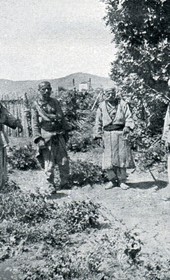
96 101
152 175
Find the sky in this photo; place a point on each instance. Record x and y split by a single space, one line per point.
42 39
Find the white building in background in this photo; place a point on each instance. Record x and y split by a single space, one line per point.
85 86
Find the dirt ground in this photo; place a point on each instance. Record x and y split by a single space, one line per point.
141 207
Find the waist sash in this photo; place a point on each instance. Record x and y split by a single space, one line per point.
112 127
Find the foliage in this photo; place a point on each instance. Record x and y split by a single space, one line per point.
141 67
118 255
58 266
76 106
46 240
81 138
34 225
80 142
141 32
77 110
83 173
9 186
154 152
22 158
25 208
80 216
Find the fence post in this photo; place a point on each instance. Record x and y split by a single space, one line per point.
17 108
27 113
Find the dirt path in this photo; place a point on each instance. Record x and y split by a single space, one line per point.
141 207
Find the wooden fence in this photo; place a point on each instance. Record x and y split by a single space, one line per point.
18 108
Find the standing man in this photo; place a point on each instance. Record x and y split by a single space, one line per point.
166 138
113 125
9 120
50 132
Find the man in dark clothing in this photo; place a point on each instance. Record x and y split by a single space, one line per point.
50 132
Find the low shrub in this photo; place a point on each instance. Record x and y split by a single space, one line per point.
80 142
79 216
27 208
22 158
83 173
9 187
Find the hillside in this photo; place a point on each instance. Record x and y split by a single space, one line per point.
20 87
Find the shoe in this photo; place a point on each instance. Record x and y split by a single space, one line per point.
166 198
65 186
111 185
155 188
52 189
124 186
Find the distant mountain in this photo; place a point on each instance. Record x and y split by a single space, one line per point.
9 87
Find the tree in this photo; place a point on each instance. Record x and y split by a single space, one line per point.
141 32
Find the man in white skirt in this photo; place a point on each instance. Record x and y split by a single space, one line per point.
166 138
113 124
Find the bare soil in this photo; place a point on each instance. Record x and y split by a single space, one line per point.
142 207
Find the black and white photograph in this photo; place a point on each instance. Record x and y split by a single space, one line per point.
84 140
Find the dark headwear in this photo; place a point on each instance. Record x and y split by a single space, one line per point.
44 84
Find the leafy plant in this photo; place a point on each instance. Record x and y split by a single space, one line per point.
81 215
9 187
151 153
25 207
83 173
22 158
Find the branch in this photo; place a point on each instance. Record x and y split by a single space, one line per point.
167 98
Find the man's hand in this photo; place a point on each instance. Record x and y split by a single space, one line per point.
41 144
19 125
167 146
99 141
126 131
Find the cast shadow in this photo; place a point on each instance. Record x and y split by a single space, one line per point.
57 195
148 185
